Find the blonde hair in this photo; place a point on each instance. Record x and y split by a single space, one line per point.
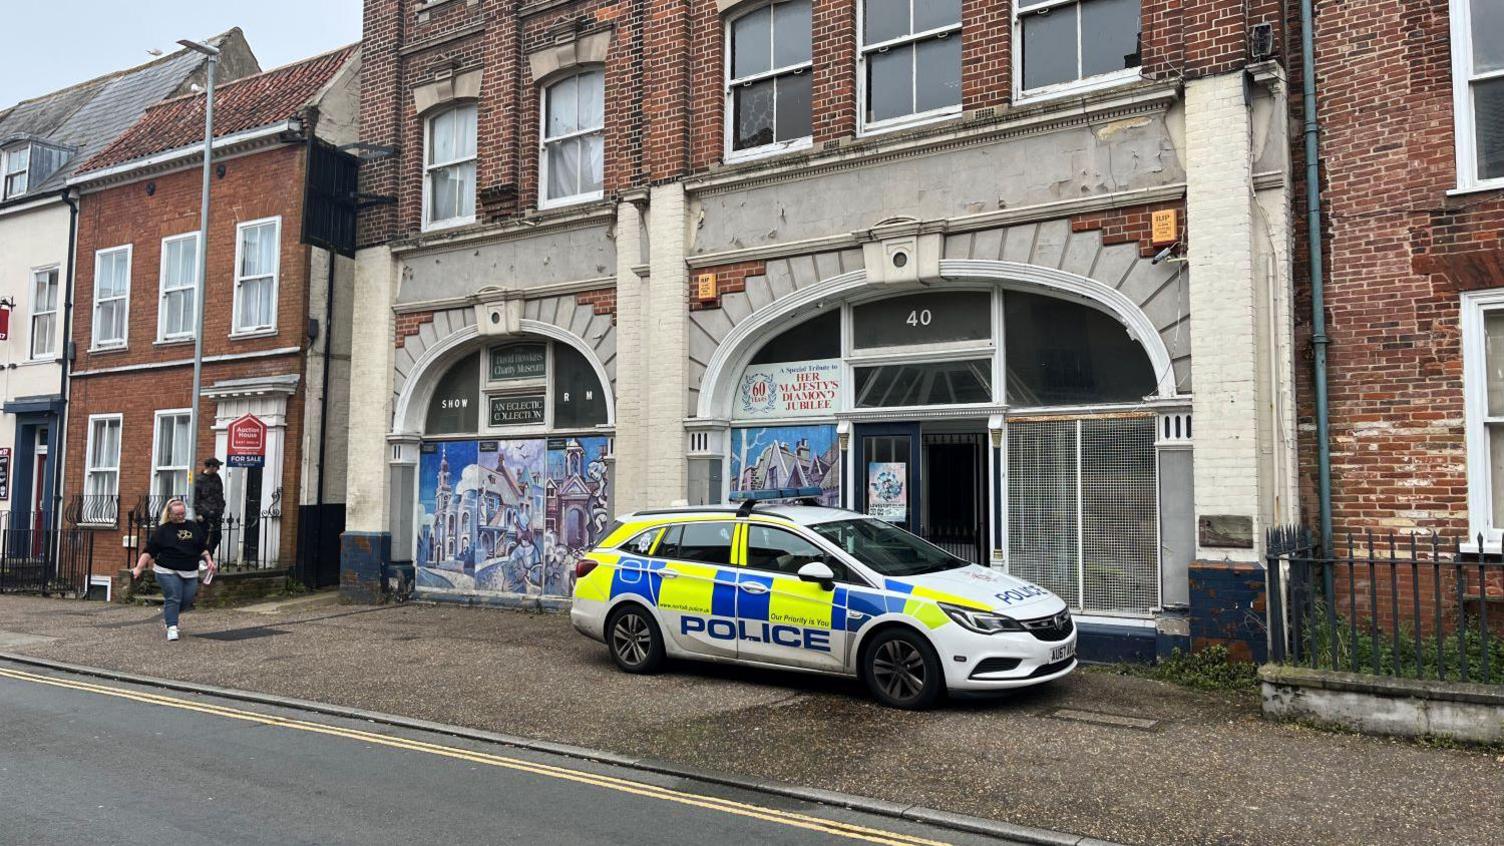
167 510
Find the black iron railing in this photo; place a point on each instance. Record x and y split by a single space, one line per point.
39 554
1408 606
238 542
93 510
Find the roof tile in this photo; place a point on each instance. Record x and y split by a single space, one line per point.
248 103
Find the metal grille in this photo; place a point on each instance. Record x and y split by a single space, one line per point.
1082 510
1119 515
1043 532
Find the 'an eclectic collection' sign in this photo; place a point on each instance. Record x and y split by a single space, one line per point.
792 389
517 410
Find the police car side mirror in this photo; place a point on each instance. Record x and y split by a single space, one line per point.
820 573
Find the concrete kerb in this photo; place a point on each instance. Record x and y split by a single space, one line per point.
876 807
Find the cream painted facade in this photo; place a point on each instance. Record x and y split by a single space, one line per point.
33 239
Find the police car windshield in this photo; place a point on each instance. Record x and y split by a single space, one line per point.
886 548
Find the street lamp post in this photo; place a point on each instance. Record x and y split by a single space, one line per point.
203 263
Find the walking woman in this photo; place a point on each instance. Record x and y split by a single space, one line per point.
176 547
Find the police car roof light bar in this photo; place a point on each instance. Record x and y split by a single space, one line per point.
750 499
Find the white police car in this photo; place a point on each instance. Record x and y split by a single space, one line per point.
818 589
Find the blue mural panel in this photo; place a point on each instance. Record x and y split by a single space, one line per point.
775 457
509 517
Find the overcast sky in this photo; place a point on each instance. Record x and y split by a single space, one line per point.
51 44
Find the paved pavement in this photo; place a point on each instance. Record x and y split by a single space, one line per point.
1187 768
84 762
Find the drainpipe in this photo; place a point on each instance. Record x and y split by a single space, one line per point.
66 329
1319 339
308 578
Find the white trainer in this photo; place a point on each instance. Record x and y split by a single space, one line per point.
172 632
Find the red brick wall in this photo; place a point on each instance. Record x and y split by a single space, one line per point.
603 301
730 279
256 186
1400 252
665 101
1132 224
266 184
408 325
137 397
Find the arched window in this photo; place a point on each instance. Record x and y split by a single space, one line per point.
1064 353
515 387
449 167
572 165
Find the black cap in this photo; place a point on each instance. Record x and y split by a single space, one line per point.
211 461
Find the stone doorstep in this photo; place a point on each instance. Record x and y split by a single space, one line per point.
1387 686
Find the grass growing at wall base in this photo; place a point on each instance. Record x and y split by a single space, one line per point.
1342 649
1212 668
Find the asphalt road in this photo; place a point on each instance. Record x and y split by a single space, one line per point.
84 761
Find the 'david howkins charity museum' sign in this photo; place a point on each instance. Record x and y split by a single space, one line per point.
792 389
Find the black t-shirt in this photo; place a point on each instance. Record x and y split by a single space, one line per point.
178 546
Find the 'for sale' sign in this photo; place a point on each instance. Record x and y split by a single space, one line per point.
247 442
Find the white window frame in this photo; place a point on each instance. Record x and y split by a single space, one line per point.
50 353
865 127
95 343
1463 80
545 201
157 467
1475 304
236 330
729 128
7 164
429 224
1083 85
163 337
91 470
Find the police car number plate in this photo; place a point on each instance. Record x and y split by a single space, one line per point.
1060 653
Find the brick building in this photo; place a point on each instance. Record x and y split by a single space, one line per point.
987 248
267 326
43 142
1412 156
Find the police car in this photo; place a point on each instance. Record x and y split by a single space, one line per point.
799 586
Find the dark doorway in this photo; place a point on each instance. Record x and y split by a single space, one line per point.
888 473
954 488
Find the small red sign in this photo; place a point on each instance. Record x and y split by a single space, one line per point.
4 324
247 436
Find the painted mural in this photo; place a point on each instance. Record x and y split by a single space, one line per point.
509 517
787 457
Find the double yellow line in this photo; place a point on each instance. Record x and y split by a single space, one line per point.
620 785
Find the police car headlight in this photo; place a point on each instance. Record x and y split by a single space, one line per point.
981 622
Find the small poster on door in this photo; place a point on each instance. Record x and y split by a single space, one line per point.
888 490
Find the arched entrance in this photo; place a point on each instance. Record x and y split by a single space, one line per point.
1007 414
504 433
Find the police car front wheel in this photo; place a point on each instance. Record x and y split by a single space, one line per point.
636 645
902 670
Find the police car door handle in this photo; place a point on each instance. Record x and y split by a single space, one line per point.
667 574
856 615
754 587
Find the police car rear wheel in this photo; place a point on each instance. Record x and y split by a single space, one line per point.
902 671
636 645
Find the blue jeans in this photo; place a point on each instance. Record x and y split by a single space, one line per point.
177 596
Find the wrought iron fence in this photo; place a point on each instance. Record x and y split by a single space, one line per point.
238 542
1408 606
38 554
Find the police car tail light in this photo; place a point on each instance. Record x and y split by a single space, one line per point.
981 622
583 567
